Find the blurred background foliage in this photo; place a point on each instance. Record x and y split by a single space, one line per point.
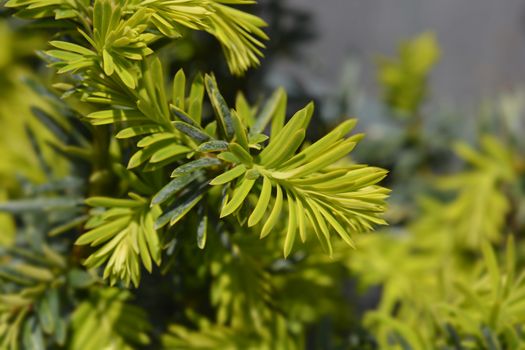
448 273
20 131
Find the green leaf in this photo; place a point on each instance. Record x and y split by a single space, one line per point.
253 174
195 165
244 110
275 214
202 230
80 279
168 152
262 203
112 202
301 217
116 115
322 145
33 339
299 121
229 175
46 316
156 138
242 154
288 150
211 128
240 131
213 146
239 195
292 227
320 227
109 66
256 139
126 76
274 109
72 47
40 205
191 131
69 225
103 232
330 157
279 112
229 157
195 99
337 226
138 130
172 188
177 213
179 113
65 56
152 239
220 107
179 89
61 332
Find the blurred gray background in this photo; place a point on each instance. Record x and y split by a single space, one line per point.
482 42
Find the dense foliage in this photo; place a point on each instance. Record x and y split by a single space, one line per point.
143 207
160 178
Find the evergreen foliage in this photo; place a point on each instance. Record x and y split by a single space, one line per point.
143 208
451 275
403 79
165 177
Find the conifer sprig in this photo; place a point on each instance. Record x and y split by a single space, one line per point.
120 31
272 181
